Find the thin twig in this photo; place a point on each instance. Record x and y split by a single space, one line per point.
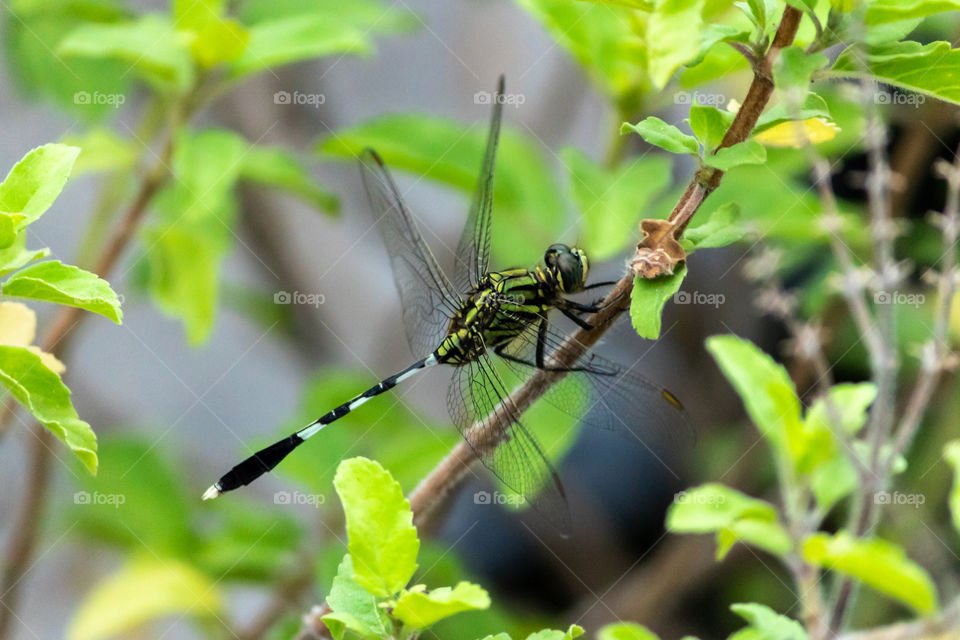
936 354
884 362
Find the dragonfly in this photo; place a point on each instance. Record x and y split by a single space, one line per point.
463 322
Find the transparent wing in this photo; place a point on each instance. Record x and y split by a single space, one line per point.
427 297
518 461
607 395
473 250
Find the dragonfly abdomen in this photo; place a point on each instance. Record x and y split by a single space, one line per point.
266 459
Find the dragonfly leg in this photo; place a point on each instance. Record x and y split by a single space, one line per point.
541 342
583 324
512 358
595 285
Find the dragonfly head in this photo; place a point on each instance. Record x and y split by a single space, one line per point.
569 265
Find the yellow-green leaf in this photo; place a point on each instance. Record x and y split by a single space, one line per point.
143 590
35 182
418 609
39 389
54 281
381 537
951 453
672 37
877 563
626 631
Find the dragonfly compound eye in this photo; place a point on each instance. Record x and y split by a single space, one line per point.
571 268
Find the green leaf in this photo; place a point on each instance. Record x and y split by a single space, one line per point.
599 37
647 299
928 69
221 40
722 228
746 152
192 234
851 400
279 168
575 631
148 588
213 37
794 67
149 44
763 385
17 255
529 211
760 12
813 107
354 608
663 135
884 11
103 150
35 182
9 222
877 563
193 14
53 281
768 624
709 124
833 476
732 515
419 609
833 480
612 202
369 16
381 537
642 5
40 390
140 487
672 37
626 631
951 453
30 35
304 36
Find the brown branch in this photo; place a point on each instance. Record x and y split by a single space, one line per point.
430 494
708 178
26 529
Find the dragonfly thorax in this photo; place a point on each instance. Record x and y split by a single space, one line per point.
497 310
